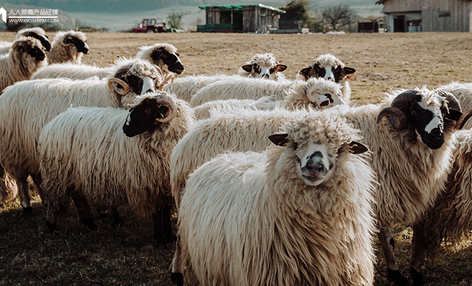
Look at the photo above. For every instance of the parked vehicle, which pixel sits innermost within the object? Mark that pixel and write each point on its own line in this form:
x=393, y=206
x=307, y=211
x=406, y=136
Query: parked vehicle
x=151, y=25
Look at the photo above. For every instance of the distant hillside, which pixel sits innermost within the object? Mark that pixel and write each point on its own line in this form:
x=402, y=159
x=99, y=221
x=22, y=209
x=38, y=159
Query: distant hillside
x=66, y=21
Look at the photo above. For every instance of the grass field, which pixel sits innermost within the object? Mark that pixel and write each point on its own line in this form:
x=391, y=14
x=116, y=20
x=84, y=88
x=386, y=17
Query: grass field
x=128, y=256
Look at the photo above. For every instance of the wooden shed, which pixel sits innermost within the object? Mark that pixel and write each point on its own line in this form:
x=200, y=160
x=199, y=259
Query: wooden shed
x=255, y=18
x=428, y=15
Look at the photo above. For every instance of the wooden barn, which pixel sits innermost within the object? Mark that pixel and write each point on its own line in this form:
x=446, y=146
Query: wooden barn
x=256, y=18
x=428, y=15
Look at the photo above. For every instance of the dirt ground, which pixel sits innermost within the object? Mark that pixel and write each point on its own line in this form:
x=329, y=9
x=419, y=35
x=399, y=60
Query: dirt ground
x=384, y=62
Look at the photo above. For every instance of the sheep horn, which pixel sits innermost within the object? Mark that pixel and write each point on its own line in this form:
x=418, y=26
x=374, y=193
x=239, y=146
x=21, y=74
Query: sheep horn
x=405, y=98
x=398, y=120
x=169, y=77
x=66, y=39
x=463, y=119
x=118, y=81
x=170, y=111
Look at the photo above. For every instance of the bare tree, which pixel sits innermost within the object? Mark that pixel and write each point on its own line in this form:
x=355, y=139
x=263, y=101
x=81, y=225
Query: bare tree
x=337, y=15
x=175, y=20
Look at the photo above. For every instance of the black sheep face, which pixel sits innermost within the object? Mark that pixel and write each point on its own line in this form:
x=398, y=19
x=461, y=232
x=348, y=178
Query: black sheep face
x=171, y=60
x=30, y=48
x=142, y=118
x=80, y=45
x=43, y=39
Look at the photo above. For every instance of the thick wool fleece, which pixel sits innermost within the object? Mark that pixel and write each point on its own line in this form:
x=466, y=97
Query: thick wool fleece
x=248, y=219
x=125, y=171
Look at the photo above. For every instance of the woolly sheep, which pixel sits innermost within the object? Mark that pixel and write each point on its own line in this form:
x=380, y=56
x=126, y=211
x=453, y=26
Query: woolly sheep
x=227, y=130
x=36, y=32
x=24, y=58
x=297, y=214
x=162, y=55
x=451, y=215
x=185, y=87
x=463, y=93
x=263, y=66
x=316, y=92
x=412, y=155
x=329, y=67
x=68, y=47
x=126, y=171
x=26, y=107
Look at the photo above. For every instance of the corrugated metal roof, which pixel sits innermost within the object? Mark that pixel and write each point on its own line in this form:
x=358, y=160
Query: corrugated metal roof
x=241, y=6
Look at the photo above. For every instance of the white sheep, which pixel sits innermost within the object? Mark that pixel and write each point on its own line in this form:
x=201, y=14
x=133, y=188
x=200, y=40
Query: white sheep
x=412, y=156
x=185, y=87
x=68, y=46
x=36, y=32
x=316, y=92
x=263, y=66
x=24, y=58
x=329, y=67
x=162, y=55
x=26, y=107
x=297, y=214
x=124, y=171
x=450, y=218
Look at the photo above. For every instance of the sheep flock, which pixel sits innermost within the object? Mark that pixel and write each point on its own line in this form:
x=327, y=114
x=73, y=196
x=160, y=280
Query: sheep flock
x=250, y=178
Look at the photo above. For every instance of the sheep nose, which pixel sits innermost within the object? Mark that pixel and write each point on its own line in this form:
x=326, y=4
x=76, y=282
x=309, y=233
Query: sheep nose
x=149, y=90
x=265, y=76
x=315, y=167
x=436, y=132
x=324, y=103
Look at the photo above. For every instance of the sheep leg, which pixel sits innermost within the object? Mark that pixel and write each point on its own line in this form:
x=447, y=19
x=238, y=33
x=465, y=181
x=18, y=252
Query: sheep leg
x=168, y=224
x=176, y=275
x=158, y=221
x=83, y=209
x=387, y=242
x=418, y=255
x=117, y=221
x=25, y=196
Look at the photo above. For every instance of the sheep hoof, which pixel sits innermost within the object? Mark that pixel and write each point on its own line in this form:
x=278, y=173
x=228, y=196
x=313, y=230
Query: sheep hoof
x=397, y=277
x=177, y=278
x=90, y=224
x=417, y=277
x=51, y=226
x=28, y=211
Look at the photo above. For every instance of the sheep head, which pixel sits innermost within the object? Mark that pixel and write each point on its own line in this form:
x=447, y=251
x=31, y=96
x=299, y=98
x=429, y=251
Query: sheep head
x=328, y=67
x=314, y=145
x=28, y=47
x=37, y=33
x=148, y=112
x=164, y=56
x=263, y=66
x=424, y=115
x=323, y=93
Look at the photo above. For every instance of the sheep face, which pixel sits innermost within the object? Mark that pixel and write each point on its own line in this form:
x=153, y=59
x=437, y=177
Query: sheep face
x=28, y=48
x=171, y=61
x=316, y=161
x=423, y=115
x=263, y=66
x=43, y=39
x=322, y=93
x=79, y=45
x=137, y=78
x=333, y=73
x=148, y=113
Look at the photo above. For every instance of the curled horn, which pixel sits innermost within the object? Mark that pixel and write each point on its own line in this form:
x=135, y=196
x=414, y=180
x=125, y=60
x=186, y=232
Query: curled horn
x=170, y=111
x=463, y=119
x=118, y=81
x=397, y=117
x=169, y=77
x=64, y=42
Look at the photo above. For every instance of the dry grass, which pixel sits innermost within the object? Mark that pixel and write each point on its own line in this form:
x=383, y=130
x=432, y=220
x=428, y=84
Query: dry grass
x=384, y=62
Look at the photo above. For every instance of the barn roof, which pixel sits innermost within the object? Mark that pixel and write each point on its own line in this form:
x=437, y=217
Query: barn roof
x=242, y=6
x=380, y=2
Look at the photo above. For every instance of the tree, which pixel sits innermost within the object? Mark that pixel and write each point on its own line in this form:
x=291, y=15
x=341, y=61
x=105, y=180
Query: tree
x=175, y=20
x=337, y=15
x=297, y=10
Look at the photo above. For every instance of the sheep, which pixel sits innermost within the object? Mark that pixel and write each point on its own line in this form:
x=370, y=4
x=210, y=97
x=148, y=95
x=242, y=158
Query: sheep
x=26, y=107
x=68, y=47
x=412, y=155
x=163, y=55
x=329, y=67
x=36, y=32
x=299, y=213
x=463, y=93
x=451, y=215
x=316, y=92
x=131, y=169
x=263, y=66
x=24, y=58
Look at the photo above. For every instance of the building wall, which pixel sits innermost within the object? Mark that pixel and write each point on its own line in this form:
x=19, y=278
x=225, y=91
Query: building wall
x=436, y=15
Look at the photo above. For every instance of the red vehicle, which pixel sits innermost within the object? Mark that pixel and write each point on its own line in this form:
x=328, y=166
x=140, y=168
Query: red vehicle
x=150, y=26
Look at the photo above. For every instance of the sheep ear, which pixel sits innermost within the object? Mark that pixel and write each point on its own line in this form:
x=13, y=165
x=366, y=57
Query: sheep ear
x=454, y=114
x=279, y=139
x=305, y=72
x=156, y=55
x=350, y=72
x=357, y=148
x=247, y=68
x=280, y=68
x=15, y=45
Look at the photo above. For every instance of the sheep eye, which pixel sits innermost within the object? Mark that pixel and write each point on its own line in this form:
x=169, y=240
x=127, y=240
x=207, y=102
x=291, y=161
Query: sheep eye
x=119, y=86
x=148, y=111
